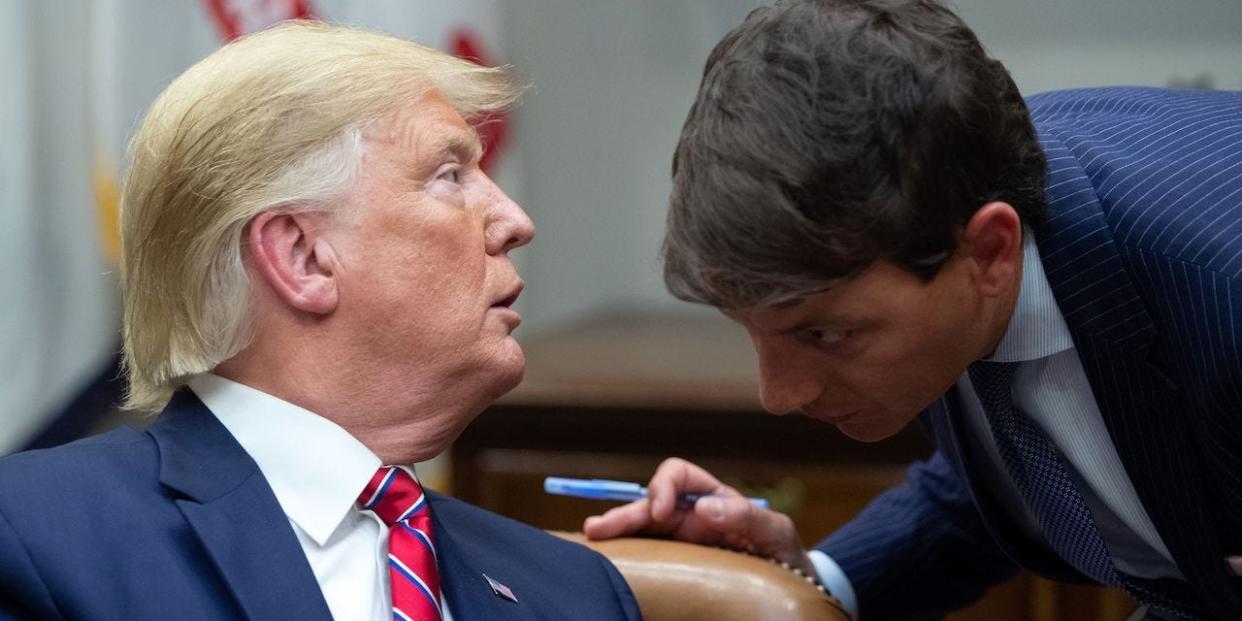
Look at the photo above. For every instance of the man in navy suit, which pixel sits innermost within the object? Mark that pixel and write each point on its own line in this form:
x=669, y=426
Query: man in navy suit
x=1052, y=287
x=318, y=293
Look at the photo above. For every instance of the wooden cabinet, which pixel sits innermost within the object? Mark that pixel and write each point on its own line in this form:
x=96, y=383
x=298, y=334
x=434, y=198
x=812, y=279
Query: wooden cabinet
x=614, y=396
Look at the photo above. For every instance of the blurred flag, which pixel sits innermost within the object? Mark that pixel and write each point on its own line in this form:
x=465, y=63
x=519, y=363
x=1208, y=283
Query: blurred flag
x=238, y=17
x=58, y=329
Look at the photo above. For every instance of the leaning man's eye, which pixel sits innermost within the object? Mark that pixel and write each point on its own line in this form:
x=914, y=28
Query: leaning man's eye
x=827, y=337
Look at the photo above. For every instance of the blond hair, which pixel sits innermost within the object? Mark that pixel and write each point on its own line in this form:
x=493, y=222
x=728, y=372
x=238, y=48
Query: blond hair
x=272, y=120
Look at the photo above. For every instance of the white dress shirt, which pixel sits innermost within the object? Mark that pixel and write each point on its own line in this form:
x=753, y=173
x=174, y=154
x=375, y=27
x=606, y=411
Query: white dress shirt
x=316, y=469
x=1051, y=388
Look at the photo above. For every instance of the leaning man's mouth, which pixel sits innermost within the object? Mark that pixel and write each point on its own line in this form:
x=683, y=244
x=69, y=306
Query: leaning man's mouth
x=827, y=417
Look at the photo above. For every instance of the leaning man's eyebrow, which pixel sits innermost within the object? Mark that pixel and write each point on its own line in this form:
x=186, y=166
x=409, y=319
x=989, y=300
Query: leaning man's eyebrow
x=790, y=303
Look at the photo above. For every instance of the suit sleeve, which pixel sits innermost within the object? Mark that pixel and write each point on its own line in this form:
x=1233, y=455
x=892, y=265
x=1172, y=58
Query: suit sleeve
x=920, y=549
x=22, y=592
x=625, y=597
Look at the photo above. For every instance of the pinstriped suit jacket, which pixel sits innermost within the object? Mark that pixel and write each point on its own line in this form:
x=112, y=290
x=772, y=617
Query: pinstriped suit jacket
x=1143, y=250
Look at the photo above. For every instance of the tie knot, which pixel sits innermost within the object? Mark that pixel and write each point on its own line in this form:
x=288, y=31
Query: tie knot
x=988, y=376
x=393, y=495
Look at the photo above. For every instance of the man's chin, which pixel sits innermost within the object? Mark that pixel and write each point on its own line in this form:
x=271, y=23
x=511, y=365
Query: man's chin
x=508, y=372
x=512, y=378
x=865, y=430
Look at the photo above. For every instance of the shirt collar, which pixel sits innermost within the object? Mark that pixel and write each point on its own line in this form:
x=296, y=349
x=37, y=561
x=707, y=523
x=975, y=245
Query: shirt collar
x=315, y=467
x=1037, y=328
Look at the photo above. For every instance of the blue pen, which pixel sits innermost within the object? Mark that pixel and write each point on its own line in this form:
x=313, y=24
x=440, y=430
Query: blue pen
x=603, y=489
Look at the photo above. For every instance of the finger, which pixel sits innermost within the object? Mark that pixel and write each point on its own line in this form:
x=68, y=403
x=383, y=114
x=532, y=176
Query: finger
x=677, y=476
x=624, y=520
x=748, y=527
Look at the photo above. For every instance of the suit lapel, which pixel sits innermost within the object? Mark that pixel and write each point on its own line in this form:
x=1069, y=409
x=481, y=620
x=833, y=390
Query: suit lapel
x=462, y=583
x=234, y=513
x=1114, y=335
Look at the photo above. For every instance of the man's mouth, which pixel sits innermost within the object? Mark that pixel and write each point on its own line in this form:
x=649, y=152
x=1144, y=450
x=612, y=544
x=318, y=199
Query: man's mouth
x=508, y=300
x=830, y=417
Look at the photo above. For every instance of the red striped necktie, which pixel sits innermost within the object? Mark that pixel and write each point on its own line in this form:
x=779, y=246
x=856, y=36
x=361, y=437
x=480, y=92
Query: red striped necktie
x=398, y=499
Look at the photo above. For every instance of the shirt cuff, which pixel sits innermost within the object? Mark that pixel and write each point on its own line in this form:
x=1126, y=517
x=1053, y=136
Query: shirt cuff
x=835, y=580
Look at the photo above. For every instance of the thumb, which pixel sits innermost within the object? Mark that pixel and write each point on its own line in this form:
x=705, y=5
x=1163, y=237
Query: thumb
x=714, y=510
x=748, y=527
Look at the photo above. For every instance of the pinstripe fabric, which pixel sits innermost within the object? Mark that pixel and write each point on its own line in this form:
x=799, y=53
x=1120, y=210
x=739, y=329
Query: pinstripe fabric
x=1143, y=252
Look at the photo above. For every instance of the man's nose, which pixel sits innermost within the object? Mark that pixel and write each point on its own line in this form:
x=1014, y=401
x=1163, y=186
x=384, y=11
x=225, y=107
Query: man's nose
x=508, y=227
x=786, y=386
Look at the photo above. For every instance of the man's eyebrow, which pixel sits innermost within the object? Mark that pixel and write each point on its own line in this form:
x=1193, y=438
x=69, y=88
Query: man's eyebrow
x=804, y=324
x=736, y=313
x=790, y=303
x=464, y=145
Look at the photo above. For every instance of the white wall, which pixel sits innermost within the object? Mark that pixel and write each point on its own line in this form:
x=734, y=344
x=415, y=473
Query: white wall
x=612, y=84
x=1053, y=44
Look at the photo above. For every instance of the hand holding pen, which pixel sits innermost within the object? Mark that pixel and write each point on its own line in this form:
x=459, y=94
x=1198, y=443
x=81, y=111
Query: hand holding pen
x=720, y=517
x=623, y=491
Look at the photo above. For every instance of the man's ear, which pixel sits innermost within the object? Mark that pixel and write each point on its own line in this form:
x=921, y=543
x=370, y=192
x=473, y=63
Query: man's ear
x=992, y=239
x=297, y=263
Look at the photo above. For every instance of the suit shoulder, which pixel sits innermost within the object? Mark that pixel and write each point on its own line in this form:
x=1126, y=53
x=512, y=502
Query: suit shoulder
x=80, y=471
x=561, y=579
x=100, y=448
x=1159, y=164
x=1123, y=102
x=478, y=522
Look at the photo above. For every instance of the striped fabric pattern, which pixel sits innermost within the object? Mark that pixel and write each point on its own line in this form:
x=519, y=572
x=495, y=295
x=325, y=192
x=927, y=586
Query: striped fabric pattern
x=1161, y=336
x=397, y=498
x=1143, y=252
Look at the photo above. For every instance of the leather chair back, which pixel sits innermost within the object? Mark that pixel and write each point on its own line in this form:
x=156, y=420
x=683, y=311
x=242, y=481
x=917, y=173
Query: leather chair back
x=677, y=581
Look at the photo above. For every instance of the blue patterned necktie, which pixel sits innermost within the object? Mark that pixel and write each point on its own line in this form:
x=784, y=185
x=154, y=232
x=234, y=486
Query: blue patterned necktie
x=1041, y=475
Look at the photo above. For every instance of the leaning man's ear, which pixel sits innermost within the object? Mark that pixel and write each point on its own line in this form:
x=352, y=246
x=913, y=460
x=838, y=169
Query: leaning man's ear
x=295, y=260
x=992, y=240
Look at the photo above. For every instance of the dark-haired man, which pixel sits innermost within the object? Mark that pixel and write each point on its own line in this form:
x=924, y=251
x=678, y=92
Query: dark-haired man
x=1059, y=302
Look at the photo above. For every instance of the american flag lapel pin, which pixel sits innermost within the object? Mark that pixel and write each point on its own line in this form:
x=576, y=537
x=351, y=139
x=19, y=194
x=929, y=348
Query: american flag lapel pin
x=500, y=590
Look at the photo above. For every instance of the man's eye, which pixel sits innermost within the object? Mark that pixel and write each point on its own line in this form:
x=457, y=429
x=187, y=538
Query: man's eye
x=827, y=337
x=452, y=174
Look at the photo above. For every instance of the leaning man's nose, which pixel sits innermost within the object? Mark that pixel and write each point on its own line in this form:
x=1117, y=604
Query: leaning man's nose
x=778, y=399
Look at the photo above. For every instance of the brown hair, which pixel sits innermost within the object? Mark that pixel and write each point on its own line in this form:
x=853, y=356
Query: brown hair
x=829, y=134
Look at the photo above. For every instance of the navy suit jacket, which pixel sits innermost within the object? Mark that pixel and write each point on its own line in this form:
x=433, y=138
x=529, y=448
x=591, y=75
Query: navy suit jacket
x=177, y=522
x=1143, y=251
